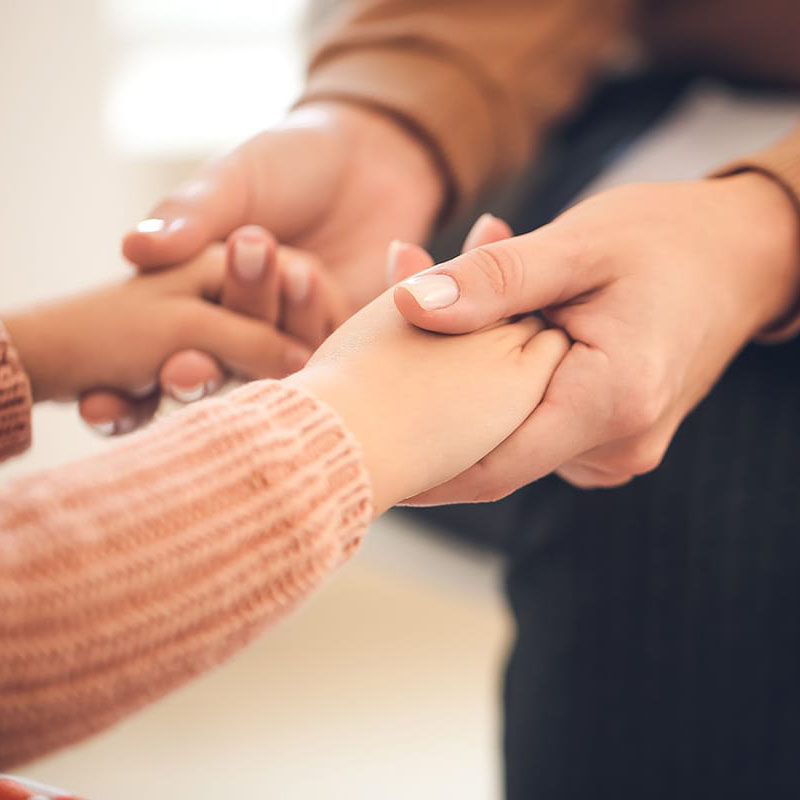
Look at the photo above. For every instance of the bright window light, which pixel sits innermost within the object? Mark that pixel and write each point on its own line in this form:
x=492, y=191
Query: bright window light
x=188, y=78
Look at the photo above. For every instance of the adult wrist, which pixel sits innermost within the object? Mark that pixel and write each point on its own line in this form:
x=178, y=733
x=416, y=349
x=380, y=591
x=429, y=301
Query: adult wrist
x=770, y=220
x=389, y=150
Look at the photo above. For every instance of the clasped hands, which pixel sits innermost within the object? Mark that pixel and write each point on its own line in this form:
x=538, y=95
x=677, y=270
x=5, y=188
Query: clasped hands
x=658, y=286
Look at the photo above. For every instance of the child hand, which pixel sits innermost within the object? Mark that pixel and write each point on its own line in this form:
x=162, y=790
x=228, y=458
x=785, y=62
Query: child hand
x=281, y=286
x=425, y=407
x=119, y=336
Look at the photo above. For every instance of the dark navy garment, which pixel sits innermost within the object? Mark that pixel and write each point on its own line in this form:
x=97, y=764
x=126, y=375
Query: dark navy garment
x=657, y=652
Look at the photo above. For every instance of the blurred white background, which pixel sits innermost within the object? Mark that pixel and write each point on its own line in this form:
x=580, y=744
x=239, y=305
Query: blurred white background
x=386, y=684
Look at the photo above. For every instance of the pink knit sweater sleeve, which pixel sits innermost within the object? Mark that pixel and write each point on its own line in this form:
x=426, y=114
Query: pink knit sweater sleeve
x=124, y=575
x=15, y=401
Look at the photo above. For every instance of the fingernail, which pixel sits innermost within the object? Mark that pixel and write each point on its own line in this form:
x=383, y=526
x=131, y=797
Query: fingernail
x=298, y=280
x=114, y=427
x=156, y=225
x=144, y=390
x=295, y=358
x=392, y=254
x=477, y=229
x=124, y=425
x=191, y=394
x=432, y=291
x=248, y=258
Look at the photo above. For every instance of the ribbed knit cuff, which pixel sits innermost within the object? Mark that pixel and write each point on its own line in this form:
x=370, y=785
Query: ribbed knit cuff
x=15, y=400
x=781, y=163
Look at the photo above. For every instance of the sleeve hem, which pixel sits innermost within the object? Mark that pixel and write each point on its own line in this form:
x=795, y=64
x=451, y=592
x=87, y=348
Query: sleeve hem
x=418, y=89
x=781, y=164
x=15, y=401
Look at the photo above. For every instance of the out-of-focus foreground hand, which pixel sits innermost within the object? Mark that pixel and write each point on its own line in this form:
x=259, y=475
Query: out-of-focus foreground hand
x=120, y=335
x=334, y=180
x=658, y=286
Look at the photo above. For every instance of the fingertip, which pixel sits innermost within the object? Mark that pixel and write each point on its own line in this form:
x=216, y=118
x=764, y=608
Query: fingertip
x=250, y=253
x=295, y=357
x=298, y=280
x=159, y=241
x=429, y=301
x=486, y=230
x=109, y=413
x=190, y=375
x=407, y=304
x=404, y=259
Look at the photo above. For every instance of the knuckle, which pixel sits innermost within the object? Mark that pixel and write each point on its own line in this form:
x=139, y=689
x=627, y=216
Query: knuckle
x=643, y=457
x=641, y=399
x=485, y=486
x=500, y=267
x=491, y=494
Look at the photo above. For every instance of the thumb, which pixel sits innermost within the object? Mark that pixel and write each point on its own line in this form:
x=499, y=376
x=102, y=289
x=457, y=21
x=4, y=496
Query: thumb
x=204, y=210
x=515, y=276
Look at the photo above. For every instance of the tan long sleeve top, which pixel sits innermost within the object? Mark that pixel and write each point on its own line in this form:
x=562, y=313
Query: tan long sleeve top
x=480, y=82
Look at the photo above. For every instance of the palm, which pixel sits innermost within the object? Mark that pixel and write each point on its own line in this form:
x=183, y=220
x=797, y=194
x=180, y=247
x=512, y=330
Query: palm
x=336, y=193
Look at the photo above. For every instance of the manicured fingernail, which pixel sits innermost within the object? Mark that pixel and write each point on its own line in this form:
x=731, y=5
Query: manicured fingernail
x=295, y=358
x=298, y=280
x=191, y=394
x=124, y=425
x=432, y=290
x=392, y=254
x=114, y=427
x=249, y=256
x=476, y=231
x=144, y=390
x=156, y=225
x=151, y=225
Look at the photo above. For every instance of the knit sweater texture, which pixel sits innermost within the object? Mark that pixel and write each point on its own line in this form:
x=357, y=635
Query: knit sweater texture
x=124, y=575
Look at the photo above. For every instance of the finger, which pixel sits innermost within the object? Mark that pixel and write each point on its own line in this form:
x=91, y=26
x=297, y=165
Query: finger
x=247, y=347
x=114, y=414
x=251, y=284
x=571, y=420
x=311, y=306
x=190, y=375
x=495, y=281
x=487, y=229
x=585, y=477
x=405, y=259
x=206, y=209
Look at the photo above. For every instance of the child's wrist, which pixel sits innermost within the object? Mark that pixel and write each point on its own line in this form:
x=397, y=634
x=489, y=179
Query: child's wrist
x=345, y=398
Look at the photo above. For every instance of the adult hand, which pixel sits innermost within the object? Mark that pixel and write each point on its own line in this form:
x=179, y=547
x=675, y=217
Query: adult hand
x=658, y=286
x=411, y=397
x=335, y=180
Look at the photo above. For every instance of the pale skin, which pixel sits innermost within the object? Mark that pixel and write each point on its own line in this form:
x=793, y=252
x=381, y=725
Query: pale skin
x=404, y=393
x=336, y=181
x=658, y=285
